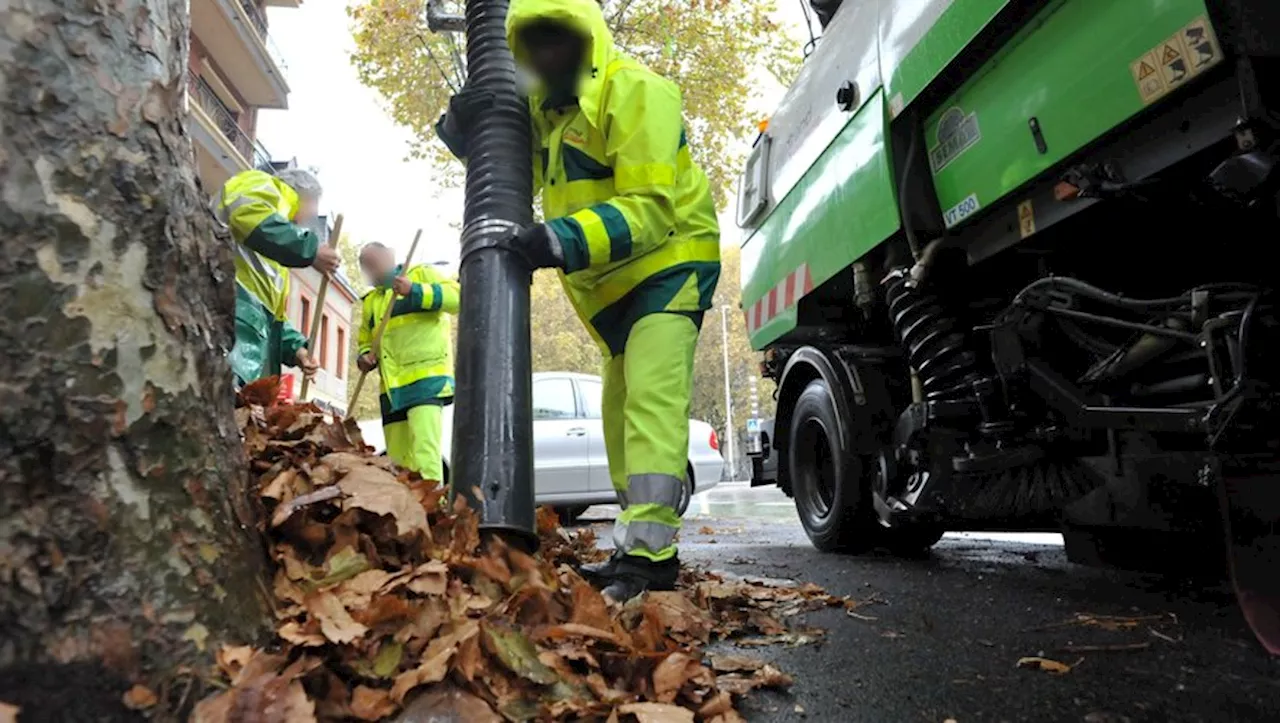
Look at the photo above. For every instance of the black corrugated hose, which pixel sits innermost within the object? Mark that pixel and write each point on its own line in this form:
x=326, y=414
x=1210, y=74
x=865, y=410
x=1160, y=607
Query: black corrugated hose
x=493, y=428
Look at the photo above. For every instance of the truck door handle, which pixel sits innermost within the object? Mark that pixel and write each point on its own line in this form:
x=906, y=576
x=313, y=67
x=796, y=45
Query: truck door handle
x=576, y=432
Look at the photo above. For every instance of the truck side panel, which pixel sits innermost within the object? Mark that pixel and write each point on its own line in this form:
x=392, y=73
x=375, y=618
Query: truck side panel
x=843, y=207
x=918, y=38
x=1079, y=69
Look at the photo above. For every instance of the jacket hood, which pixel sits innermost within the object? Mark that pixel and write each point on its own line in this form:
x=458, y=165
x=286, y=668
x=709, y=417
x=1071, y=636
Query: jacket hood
x=586, y=18
x=289, y=195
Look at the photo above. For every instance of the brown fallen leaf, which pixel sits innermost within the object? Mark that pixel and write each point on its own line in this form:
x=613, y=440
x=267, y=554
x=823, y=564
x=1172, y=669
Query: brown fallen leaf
x=1053, y=667
x=335, y=622
x=766, y=677
x=448, y=703
x=232, y=658
x=287, y=509
x=371, y=703
x=657, y=713
x=734, y=663
x=435, y=661
x=281, y=486
x=9, y=713
x=356, y=592
x=372, y=487
x=294, y=632
x=140, y=697
x=671, y=674
x=430, y=578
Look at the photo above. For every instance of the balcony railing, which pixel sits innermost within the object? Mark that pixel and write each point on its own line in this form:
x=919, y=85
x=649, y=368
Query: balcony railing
x=225, y=119
x=259, y=21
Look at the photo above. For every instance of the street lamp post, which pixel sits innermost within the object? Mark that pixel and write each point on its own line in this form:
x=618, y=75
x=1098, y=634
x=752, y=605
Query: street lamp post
x=728, y=400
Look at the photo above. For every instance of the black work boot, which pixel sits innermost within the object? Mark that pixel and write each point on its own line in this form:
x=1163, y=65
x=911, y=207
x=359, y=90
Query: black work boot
x=599, y=573
x=633, y=575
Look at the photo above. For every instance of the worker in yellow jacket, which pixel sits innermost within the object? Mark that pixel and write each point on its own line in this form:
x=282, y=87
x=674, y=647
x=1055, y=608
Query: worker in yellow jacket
x=413, y=357
x=267, y=216
x=632, y=227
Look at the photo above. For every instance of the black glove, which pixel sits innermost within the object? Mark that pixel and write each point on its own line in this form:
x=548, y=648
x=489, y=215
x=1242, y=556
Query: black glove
x=539, y=246
x=465, y=107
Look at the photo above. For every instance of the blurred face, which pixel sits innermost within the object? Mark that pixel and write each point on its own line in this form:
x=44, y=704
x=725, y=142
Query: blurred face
x=555, y=52
x=376, y=263
x=308, y=210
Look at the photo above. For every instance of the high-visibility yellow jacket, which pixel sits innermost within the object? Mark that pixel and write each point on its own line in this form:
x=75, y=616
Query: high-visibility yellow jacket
x=414, y=357
x=634, y=212
x=259, y=209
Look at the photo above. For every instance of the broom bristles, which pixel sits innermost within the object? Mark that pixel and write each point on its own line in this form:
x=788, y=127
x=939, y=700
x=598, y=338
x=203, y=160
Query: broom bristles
x=1033, y=490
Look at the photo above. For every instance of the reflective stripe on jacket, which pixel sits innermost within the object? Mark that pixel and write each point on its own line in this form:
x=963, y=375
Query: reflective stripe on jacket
x=258, y=208
x=414, y=358
x=619, y=187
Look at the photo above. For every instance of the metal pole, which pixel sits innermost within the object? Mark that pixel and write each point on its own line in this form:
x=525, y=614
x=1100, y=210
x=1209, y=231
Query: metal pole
x=728, y=400
x=493, y=427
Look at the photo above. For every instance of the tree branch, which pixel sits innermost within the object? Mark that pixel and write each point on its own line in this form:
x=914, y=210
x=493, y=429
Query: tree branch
x=445, y=76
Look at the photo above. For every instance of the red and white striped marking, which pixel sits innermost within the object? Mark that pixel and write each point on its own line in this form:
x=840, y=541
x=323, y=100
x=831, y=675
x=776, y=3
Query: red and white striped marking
x=785, y=295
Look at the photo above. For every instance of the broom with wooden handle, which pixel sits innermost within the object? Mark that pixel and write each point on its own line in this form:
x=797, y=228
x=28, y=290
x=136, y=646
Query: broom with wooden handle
x=382, y=325
x=318, y=314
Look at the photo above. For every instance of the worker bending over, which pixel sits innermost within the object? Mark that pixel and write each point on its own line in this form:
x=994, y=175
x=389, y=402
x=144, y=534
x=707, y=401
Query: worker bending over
x=413, y=358
x=632, y=226
x=266, y=215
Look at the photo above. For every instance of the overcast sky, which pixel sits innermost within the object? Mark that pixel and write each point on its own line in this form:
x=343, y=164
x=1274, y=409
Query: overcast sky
x=338, y=125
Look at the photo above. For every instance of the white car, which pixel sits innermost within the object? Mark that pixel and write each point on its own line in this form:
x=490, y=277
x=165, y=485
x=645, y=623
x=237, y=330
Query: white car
x=571, y=470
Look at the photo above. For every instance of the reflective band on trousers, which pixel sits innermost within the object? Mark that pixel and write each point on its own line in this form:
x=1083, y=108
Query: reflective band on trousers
x=658, y=489
x=653, y=536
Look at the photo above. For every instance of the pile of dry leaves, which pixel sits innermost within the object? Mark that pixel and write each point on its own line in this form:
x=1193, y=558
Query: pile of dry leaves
x=386, y=598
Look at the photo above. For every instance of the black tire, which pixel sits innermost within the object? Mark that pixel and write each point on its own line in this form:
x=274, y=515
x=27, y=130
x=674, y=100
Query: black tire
x=569, y=515
x=686, y=494
x=830, y=483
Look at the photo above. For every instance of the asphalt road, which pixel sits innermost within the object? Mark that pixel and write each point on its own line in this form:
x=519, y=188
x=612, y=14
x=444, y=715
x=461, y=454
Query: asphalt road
x=940, y=637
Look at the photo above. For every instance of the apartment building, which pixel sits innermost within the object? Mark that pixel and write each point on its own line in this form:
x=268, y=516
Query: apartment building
x=235, y=70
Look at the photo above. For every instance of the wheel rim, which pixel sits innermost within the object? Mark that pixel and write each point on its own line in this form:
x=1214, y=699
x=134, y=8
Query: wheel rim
x=817, y=467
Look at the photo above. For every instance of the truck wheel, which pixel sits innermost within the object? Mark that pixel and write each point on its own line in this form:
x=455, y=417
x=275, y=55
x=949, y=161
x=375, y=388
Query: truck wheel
x=828, y=481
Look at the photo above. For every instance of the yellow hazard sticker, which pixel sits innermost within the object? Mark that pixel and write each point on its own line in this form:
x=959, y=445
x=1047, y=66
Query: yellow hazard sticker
x=1026, y=218
x=1179, y=58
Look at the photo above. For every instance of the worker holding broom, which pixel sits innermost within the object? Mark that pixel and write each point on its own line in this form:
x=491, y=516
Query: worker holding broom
x=631, y=225
x=267, y=215
x=413, y=357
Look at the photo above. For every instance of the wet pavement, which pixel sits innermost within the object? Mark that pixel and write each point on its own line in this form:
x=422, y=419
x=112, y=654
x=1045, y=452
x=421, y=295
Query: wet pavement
x=939, y=638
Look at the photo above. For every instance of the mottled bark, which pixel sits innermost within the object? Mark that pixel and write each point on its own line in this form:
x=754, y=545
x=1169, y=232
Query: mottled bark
x=126, y=548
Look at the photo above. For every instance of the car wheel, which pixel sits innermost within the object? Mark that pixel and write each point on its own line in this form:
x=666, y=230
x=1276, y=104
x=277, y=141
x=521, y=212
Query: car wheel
x=570, y=515
x=686, y=493
x=829, y=481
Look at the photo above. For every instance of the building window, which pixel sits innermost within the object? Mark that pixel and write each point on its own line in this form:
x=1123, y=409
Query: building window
x=305, y=328
x=324, y=341
x=342, y=351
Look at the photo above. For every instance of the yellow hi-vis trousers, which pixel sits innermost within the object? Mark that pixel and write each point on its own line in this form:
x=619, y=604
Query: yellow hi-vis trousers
x=645, y=409
x=413, y=440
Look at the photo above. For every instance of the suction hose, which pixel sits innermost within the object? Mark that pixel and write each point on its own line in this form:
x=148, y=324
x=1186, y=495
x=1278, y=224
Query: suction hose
x=493, y=427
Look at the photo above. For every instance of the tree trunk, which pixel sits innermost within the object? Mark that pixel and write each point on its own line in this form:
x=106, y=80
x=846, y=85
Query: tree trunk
x=127, y=545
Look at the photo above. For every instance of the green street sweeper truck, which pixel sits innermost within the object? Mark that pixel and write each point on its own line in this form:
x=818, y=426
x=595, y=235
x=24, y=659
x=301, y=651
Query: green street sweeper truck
x=1010, y=264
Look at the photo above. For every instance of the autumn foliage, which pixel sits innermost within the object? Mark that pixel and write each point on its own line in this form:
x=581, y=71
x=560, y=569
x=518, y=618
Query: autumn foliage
x=386, y=597
x=718, y=52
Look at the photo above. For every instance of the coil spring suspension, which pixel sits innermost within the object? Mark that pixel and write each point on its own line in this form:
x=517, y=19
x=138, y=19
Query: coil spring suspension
x=936, y=346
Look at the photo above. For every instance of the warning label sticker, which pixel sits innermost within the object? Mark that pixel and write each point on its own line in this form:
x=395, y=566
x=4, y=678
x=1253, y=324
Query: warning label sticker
x=1026, y=218
x=1178, y=59
x=1149, y=80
